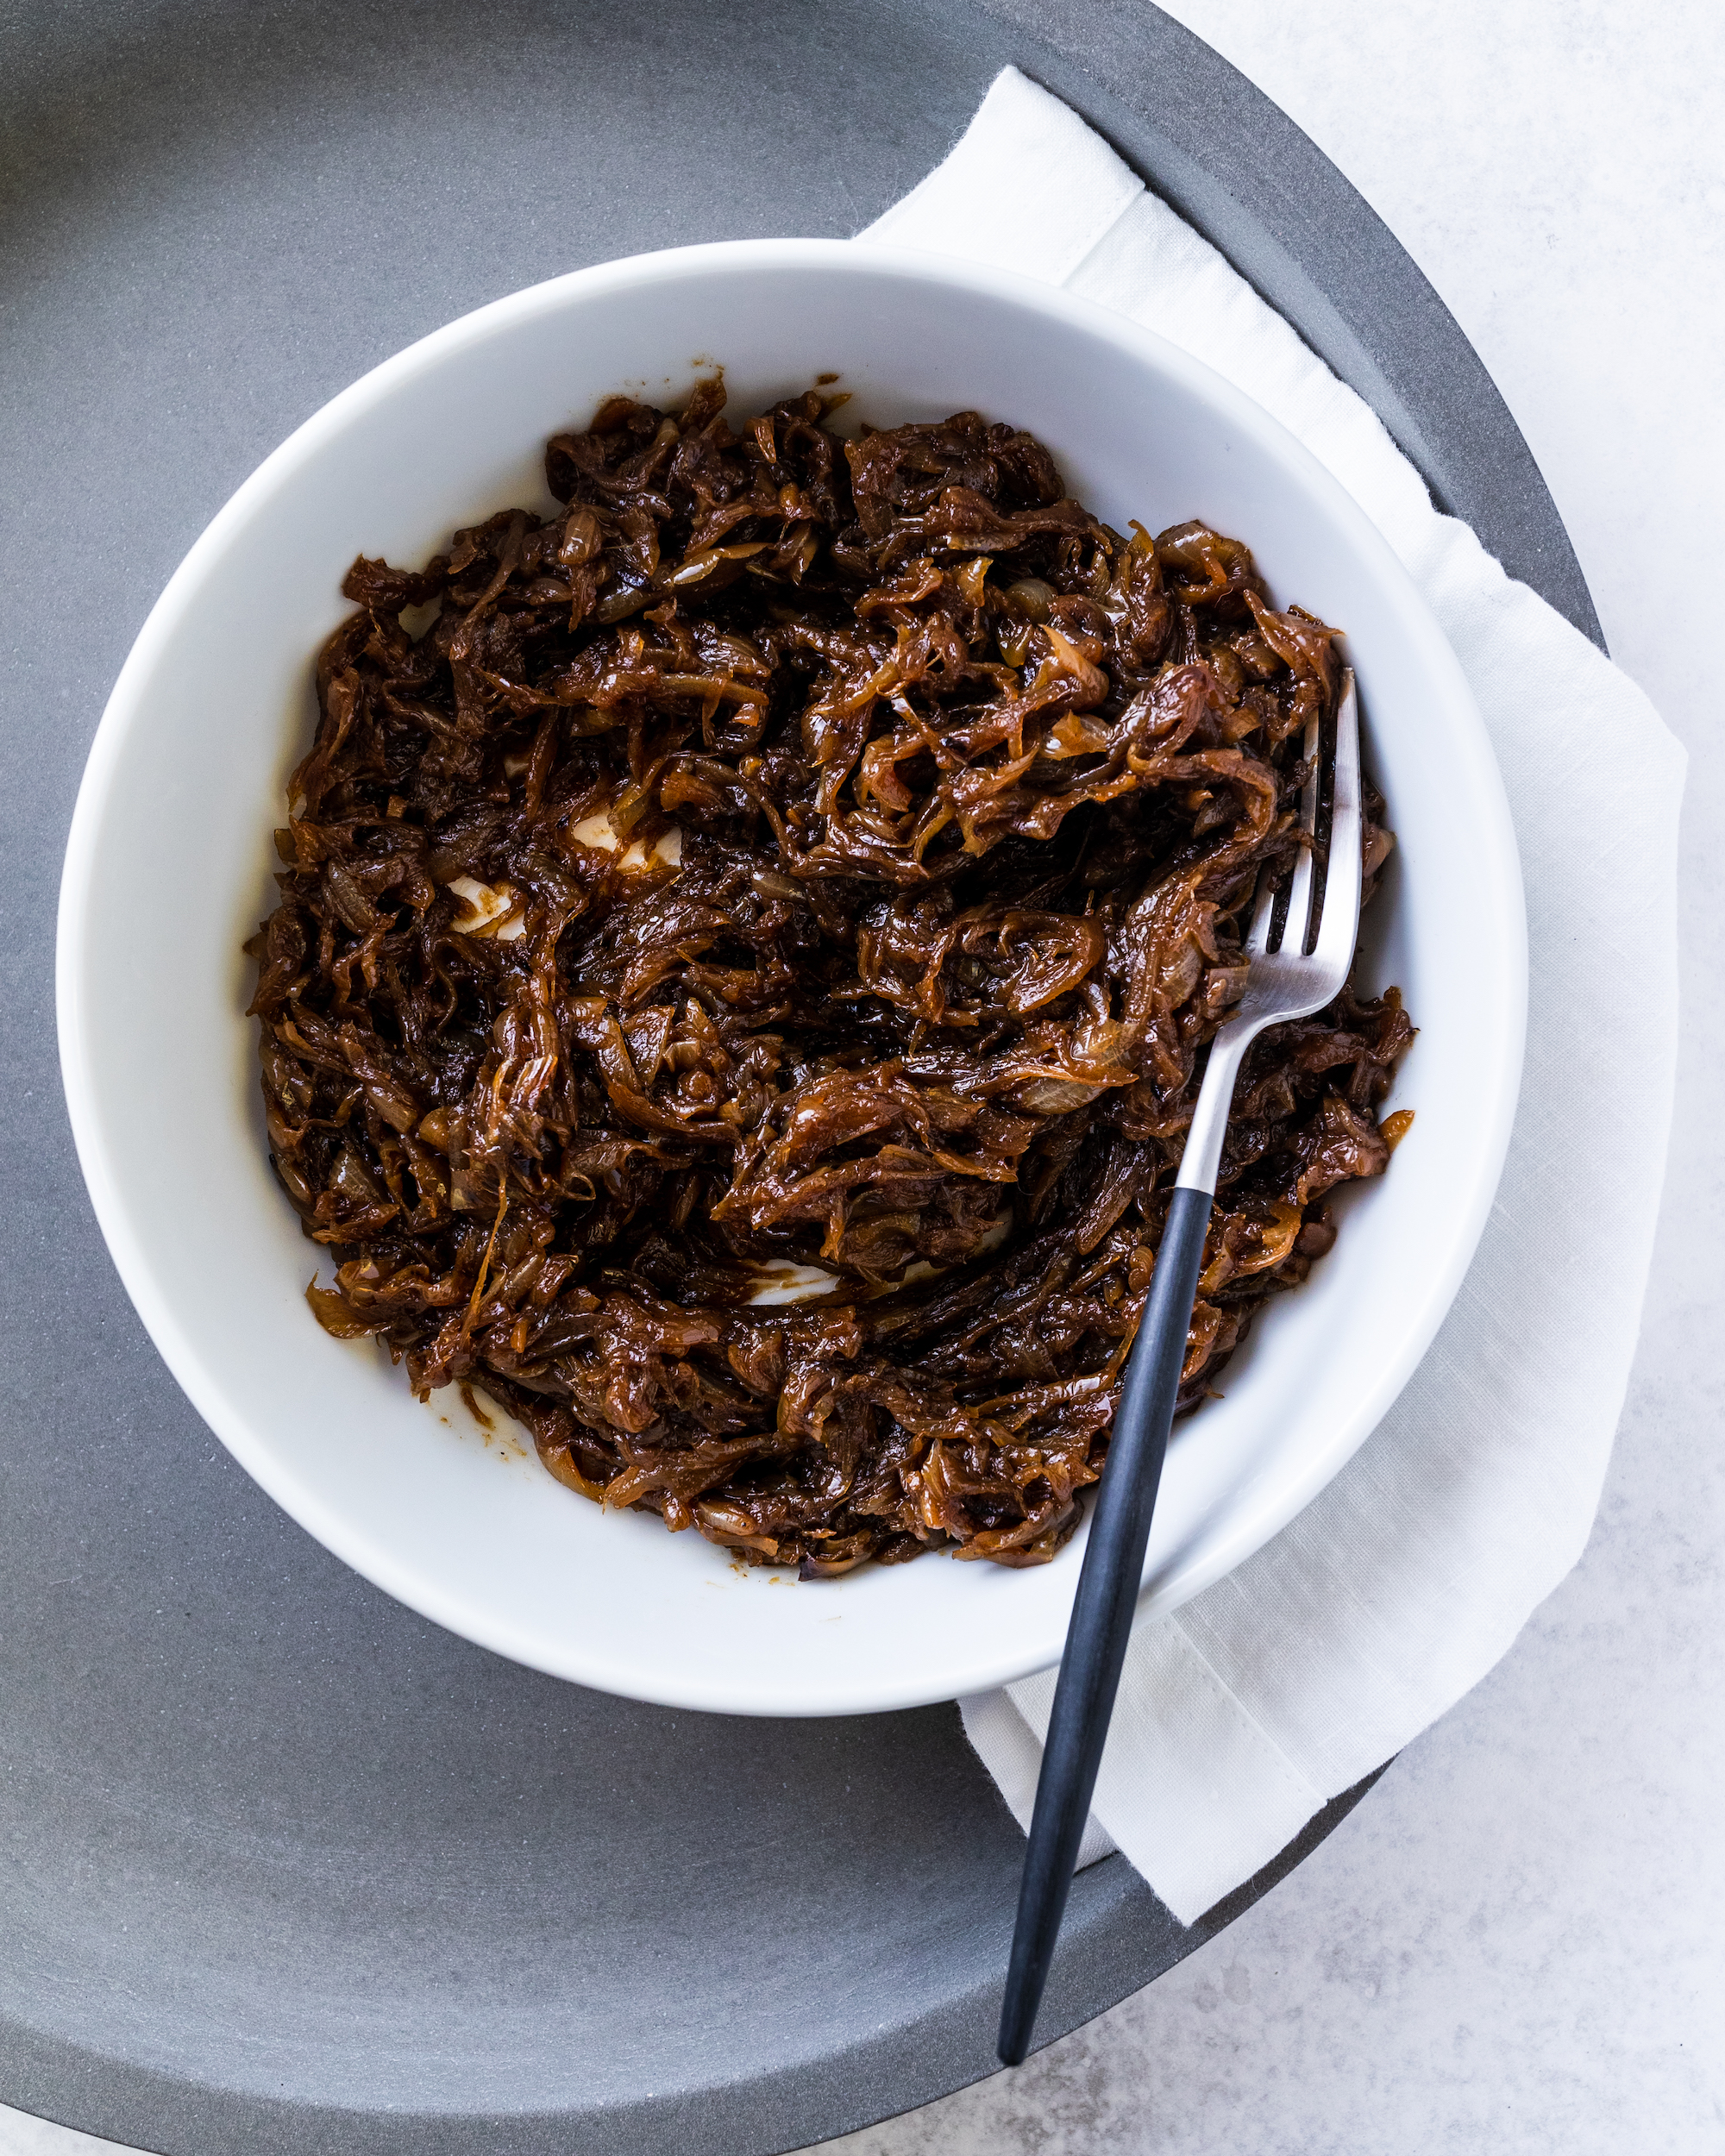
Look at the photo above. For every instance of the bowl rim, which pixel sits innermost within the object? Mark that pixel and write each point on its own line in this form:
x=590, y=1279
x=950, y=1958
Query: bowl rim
x=588, y=1660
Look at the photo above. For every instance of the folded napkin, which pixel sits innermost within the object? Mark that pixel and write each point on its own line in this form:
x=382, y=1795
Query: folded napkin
x=1398, y=1588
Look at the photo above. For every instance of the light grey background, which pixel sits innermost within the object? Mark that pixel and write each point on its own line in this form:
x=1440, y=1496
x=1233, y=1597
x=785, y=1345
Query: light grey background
x=1516, y=1942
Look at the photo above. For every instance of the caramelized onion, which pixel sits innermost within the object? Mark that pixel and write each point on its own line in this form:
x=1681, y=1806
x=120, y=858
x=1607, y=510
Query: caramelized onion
x=800, y=869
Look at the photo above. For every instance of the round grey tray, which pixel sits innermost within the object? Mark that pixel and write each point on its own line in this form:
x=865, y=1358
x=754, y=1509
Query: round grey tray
x=286, y=1868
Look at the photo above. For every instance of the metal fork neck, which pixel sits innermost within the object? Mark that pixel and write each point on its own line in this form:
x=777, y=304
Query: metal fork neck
x=1203, y=1156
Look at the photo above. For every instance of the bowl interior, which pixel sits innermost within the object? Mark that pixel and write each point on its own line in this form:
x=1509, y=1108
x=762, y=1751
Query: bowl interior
x=169, y=866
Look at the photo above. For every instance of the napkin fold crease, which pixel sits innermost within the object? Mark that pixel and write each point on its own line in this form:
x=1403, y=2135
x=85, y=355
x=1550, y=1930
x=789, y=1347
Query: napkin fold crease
x=1242, y=1713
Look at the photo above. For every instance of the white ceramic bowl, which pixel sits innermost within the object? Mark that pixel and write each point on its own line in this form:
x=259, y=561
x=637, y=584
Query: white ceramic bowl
x=168, y=869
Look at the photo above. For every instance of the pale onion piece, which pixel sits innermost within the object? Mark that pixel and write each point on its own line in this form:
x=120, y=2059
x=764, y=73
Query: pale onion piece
x=595, y=830
x=488, y=904
x=792, y=1283
x=786, y=1283
x=1057, y=1096
x=921, y=1269
x=698, y=566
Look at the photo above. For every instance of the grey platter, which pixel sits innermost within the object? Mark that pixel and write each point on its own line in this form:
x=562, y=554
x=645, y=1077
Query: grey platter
x=283, y=1868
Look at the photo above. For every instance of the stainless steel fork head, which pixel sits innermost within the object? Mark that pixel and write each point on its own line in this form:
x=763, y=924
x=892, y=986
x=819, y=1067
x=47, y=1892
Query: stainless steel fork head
x=1290, y=982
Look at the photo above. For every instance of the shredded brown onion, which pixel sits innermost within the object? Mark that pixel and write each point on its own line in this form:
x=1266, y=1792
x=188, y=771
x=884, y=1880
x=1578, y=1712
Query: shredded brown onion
x=800, y=861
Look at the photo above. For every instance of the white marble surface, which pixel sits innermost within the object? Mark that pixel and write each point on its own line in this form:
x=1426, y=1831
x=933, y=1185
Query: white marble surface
x=1518, y=1942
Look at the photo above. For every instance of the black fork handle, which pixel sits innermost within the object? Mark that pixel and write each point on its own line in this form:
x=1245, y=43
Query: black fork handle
x=1102, y=1612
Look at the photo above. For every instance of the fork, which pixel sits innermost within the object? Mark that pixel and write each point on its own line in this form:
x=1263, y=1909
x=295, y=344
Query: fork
x=1283, y=982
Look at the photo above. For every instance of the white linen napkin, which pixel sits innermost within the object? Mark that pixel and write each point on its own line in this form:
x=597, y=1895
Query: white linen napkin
x=1397, y=1588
